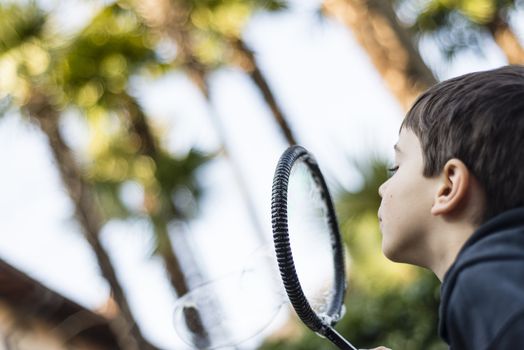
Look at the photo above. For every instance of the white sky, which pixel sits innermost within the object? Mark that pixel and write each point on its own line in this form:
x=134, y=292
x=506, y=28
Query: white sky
x=336, y=104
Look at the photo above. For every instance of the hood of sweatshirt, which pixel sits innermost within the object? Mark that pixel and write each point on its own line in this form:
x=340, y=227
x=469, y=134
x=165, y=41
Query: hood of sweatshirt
x=498, y=239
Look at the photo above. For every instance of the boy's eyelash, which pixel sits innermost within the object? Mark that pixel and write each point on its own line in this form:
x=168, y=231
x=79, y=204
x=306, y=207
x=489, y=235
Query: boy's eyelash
x=393, y=169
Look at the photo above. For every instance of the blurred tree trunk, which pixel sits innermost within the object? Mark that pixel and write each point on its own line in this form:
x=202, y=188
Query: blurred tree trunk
x=390, y=46
x=170, y=18
x=162, y=216
x=43, y=113
x=507, y=40
x=167, y=211
x=247, y=61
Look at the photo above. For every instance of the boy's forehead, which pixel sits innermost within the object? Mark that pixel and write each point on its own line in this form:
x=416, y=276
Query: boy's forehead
x=398, y=146
x=406, y=140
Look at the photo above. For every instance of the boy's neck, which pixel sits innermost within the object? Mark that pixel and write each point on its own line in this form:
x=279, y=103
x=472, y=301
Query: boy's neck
x=451, y=239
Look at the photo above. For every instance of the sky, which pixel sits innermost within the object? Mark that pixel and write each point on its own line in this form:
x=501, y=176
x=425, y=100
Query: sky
x=336, y=104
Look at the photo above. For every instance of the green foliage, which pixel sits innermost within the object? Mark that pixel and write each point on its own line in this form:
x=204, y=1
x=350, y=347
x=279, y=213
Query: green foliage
x=387, y=304
x=173, y=173
x=116, y=160
x=108, y=194
x=213, y=24
x=400, y=318
x=267, y=5
x=90, y=72
x=93, y=71
x=403, y=317
x=99, y=62
x=460, y=24
x=22, y=55
x=366, y=200
x=19, y=24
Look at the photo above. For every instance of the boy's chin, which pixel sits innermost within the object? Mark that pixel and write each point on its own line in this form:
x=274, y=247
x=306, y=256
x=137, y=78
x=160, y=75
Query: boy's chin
x=403, y=255
x=392, y=253
x=388, y=252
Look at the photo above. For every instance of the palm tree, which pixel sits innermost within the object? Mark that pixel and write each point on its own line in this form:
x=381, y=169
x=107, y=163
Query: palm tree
x=462, y=24
x=390, y=45
x=46, y=116
x=22, y=43
x=125, y=49
x=70, y=76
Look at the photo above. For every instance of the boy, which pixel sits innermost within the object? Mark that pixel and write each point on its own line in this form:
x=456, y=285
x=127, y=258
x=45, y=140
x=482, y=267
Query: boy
x=455, y=204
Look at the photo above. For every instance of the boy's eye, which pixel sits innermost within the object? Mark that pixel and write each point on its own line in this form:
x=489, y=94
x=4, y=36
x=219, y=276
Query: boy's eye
x=393, y=170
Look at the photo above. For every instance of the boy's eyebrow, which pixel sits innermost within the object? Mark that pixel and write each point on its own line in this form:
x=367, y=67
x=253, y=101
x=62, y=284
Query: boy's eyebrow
x=397, y=148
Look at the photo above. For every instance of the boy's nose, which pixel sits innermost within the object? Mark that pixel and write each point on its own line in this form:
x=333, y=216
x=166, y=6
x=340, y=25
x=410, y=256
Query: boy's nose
x=381, y=189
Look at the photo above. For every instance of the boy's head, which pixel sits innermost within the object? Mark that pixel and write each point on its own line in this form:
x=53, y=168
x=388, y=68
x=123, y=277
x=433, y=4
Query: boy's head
x=479, y=119
x=469, y=131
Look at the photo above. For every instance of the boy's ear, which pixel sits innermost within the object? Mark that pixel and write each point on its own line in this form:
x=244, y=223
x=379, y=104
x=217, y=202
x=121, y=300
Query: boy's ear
x=452, y=187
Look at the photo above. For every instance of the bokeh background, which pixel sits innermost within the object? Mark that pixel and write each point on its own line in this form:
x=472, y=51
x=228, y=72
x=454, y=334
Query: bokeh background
x=138, y=141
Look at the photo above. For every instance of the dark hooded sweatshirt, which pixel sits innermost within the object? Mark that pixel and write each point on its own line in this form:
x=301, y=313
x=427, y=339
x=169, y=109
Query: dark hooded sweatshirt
x=482, y=296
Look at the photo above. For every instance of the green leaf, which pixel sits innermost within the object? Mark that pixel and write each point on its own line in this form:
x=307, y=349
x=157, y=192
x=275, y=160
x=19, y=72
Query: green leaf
x=172, y=172
x=19, y=23
x=111, y=48
x=108, y=195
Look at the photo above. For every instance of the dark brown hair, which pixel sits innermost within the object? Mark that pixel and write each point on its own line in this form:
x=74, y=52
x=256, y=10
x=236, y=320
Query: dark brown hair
x=479, y=119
